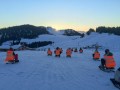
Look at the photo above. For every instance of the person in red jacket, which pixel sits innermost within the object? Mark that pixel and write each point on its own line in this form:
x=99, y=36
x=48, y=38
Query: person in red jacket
x=81, y=51
x=49, y=52
x=16, y=58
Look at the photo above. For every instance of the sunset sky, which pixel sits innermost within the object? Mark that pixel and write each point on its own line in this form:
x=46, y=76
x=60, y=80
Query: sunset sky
x=60, y=14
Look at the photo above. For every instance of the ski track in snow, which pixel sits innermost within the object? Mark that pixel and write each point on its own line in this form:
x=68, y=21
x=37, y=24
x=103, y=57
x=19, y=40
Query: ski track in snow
x=37, y=71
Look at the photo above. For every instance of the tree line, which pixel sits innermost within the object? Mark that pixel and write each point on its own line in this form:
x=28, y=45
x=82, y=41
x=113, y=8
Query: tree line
x=19, y=32
x=37, y=44
x=103, y=29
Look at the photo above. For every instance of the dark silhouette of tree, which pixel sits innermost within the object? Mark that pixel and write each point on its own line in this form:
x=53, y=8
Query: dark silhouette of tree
x=38, y=44
x=110, y=30
x=82, y=35
x=90, y=31
x=71, y=32
x=24, y=31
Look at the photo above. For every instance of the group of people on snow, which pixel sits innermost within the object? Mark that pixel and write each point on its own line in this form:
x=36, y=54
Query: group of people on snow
x=58, y=51
x=108, y=63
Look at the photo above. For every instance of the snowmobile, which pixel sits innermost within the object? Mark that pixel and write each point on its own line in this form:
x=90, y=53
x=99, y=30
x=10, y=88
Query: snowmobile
x=106, y=69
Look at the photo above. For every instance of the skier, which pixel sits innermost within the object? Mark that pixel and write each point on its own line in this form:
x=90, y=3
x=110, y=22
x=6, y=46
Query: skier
x=81, y=51
x=116, y=79
x=68, y=52
x=49, y=52
x=10, y=56
x=57, y=52
x=108, y=61
x=96, y=55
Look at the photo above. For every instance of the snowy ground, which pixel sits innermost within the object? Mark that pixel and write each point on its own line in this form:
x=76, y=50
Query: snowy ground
x=37, y=71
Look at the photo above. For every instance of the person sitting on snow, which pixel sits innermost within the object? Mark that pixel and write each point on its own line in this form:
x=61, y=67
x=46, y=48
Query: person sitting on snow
x=16, y=58
x=49, y=52
x=96, y=55
x=108, y=61
x=57, y=52
x=81, y=51
x=68, y=52
x=75, y=50
x=10, y=56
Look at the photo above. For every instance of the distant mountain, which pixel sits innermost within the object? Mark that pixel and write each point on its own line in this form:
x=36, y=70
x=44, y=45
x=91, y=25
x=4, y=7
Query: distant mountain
x=16, y=33
x=70, y=32
x=22, y=31
x=52, y=30
x=66, y=32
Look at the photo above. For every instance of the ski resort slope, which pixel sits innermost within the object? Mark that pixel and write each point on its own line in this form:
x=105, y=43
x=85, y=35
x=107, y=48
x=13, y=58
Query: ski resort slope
x=37, y=71
x=105, y=40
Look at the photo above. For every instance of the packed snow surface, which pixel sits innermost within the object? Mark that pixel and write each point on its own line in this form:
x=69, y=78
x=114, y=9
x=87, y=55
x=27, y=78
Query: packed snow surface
x=37, y=71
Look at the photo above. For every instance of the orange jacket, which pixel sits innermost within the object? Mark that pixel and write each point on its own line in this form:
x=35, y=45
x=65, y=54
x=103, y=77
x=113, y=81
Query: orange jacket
x=110, y=62
x=68, y=52
x=57, y=52
x=96, y=55
x=10, y=56
x=49, y=52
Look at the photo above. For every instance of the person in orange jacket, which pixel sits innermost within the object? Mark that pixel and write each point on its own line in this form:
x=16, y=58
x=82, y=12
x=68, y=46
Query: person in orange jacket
x=49, y=52
x=10, y=56
x=96, y=55
x=57, y=52
x=81, y=51
x=68, y=52
x=108, y=61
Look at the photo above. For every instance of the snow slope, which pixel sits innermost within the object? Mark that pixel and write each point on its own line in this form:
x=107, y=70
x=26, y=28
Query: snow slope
x=105, y=40
x=37, y=71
